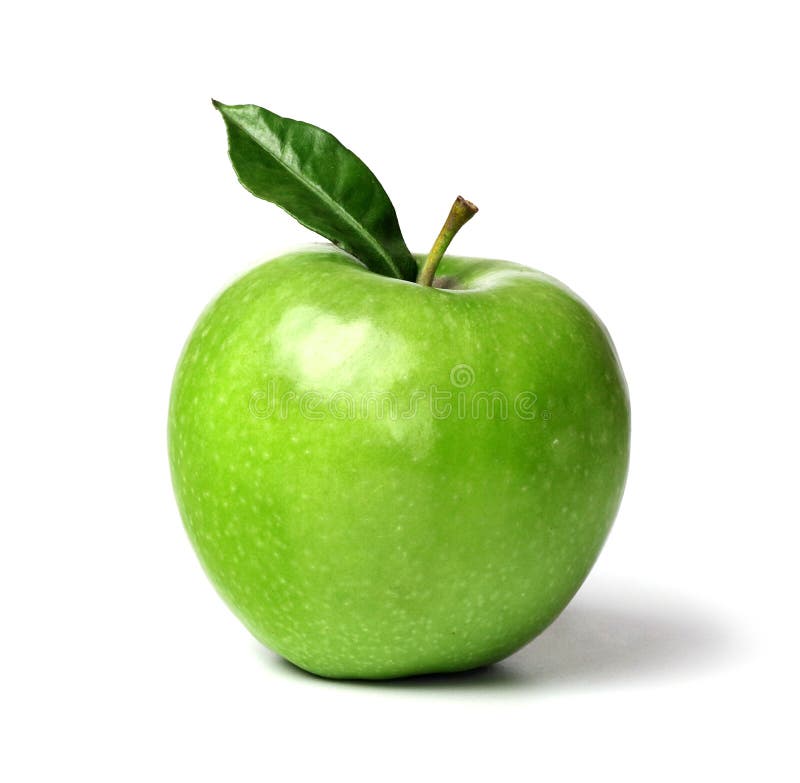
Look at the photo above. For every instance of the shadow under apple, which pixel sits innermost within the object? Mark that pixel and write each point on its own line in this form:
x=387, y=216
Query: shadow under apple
x=604, y=636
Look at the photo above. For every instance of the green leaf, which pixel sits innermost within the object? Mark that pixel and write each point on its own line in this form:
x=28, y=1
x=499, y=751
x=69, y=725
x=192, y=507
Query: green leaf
x=319, y=182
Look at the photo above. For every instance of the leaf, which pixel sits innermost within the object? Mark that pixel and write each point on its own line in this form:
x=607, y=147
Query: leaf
x=318, y=181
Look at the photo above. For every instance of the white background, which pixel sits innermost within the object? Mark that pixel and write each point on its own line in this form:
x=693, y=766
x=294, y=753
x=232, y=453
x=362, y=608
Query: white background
x=648, y=154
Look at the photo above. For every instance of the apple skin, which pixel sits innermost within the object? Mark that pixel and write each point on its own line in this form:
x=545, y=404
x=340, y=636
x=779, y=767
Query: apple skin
x=360, y=543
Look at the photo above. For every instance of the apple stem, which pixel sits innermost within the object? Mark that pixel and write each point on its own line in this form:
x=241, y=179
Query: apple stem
x=461, y=211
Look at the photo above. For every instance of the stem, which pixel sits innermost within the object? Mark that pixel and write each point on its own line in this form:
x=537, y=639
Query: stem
x=461, y=211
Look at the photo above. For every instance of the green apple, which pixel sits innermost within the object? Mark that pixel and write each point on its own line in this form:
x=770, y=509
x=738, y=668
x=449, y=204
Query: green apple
x=384, y=477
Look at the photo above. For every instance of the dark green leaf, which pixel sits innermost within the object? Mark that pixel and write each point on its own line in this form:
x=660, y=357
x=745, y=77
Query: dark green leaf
x=317, y=180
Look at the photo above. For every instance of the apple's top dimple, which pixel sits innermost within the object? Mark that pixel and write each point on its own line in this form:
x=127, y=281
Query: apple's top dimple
x=447, y=283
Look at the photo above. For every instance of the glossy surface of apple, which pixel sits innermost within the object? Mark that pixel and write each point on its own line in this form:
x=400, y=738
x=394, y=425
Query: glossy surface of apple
x=383, y=479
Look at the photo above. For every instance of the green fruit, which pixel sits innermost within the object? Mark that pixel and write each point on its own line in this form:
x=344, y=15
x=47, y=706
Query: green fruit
x=383, y=478
x=390, y=465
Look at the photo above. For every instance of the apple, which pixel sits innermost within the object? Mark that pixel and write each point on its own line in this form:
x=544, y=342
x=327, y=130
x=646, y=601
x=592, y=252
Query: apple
x=385, y=477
